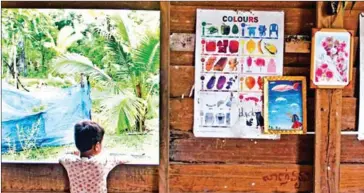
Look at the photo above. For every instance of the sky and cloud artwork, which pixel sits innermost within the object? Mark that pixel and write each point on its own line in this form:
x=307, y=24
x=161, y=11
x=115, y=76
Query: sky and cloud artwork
x=284, y=105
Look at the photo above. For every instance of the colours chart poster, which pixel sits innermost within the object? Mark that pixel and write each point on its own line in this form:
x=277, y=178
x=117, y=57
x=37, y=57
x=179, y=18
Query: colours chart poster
x=361, y=75
x=234, y=51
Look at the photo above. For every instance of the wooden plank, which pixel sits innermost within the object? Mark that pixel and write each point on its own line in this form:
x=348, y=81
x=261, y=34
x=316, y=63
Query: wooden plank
x=187, y=58
x=352, y=150
x=293, y=43
x=53, y=177
x=327, y=139
x=297, y=20
x=165, y=80
x=183, y=78
x=138, y=5
x=359, y=5
x=185, y=148
x=351, y=178
x=257, y=178
x=241, y=178
x=351, y=20
x=328, y=111
x=257, y=4
x=297, y=44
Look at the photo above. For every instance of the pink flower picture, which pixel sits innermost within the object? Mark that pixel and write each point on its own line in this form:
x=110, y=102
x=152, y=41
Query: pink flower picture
x=331, y=58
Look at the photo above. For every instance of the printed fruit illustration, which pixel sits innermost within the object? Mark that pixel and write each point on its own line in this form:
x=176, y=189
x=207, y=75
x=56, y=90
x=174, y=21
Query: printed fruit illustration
x=249, y=62
x=260, y=62
x=250, y=82
x=234, y=46
x=220, y=64
x=250, y=46
x=211, y=82
x=211, y=46
x=221, y=82
x=212, y=30
x=260, y=47
x=270, y=48
x=235, y=29
x=210, y=63
x=225, y=29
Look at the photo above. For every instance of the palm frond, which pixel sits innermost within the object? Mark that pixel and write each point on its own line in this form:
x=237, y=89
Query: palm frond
x=121, y=29
x=71, y=63
x=118, y=52
x=147, y=55
x=122, y=111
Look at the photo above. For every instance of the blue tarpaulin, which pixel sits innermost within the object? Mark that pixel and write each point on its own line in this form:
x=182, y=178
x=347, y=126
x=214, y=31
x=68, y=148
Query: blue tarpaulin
x=43, y=118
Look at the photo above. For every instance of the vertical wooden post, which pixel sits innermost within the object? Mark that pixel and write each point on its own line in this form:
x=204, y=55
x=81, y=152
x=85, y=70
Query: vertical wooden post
x=328, y=106
x=164, y=99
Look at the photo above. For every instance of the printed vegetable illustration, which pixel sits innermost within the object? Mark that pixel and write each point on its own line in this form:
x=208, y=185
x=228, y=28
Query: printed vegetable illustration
x=225, y=29
x=250, y=82
x=212, y=30
x=260, y=82
x=220, y=64
x=233, y=63
x=270, y=48
x=242, y=42
x=233, y=46
x=235, y=29
x=250, y=46
x=221, y=82
x=211, y=82
x=211, y=46
x=222, y=46
x=210, y=63
x=260, y=47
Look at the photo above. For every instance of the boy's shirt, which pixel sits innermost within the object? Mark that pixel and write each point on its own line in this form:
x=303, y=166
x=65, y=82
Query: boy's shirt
x=88, y=175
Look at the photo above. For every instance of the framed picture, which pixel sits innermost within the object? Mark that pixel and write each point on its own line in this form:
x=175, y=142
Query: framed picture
x=331, y=58
x=361, y=76
x=62, y=66
x=285, y=105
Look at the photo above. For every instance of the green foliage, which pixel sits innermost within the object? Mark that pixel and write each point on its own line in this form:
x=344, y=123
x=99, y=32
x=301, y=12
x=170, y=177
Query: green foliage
x=121, y=59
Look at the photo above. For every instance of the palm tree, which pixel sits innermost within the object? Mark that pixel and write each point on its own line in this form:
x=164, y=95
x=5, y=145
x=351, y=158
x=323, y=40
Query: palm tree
x=132, y=87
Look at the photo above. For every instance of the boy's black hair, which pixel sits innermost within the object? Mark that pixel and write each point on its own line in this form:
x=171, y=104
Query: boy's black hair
x=87, y=134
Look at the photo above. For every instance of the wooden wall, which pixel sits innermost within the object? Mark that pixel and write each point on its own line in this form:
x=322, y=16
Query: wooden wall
x=199, y=165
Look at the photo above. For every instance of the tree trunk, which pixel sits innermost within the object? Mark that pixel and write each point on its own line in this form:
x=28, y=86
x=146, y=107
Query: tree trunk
x=22, y=67
x=42, y=64
x=141, y=122
x=14, y=63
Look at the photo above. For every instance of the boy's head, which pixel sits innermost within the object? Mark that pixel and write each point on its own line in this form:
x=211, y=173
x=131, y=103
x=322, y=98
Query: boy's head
x=88, y=137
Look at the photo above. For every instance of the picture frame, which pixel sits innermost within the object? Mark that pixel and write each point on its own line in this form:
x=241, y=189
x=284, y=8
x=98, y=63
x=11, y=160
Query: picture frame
x=280, y=96
x=331, y=58
x=361, y=77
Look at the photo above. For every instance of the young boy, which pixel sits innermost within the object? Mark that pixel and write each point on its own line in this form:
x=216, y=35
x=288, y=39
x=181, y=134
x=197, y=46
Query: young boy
x=88, y=171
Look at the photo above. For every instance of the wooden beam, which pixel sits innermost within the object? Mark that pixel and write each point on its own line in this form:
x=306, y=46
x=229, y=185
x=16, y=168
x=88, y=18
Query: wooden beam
x=141, y=5
x=164, y=99
x=53, y=178
x=328, y=109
